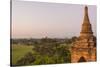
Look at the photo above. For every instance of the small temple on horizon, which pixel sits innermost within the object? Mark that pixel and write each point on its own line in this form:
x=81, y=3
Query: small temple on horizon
x=84, y=48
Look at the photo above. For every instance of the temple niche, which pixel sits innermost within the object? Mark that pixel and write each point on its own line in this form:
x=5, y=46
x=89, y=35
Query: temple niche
x=84, y=48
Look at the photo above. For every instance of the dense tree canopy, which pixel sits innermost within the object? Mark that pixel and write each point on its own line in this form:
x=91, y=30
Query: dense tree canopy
x=46, y=51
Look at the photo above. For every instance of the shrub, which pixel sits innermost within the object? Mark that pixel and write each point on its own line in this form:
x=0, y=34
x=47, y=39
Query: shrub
x=27, y=59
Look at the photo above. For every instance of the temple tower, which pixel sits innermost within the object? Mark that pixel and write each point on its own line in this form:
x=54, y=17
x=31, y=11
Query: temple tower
x=84, y=48
x=86, y=30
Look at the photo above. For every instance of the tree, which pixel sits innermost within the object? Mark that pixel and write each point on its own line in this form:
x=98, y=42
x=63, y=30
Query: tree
x=74, y=38
x=50, y=52
x=27, y=59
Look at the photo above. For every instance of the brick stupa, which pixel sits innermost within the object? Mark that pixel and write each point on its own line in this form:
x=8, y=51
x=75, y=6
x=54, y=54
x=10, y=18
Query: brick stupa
x=84, y=48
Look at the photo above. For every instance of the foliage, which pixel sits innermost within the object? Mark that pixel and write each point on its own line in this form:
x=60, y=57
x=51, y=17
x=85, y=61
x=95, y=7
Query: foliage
x=27, y=59
x=52, y=53
x=19, y=51
x=44, y=51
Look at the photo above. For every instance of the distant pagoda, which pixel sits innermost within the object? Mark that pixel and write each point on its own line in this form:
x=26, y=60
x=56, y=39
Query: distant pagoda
x=84, y=48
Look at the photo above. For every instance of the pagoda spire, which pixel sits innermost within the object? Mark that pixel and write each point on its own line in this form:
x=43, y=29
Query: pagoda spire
x=86, y=18
x=86, y=26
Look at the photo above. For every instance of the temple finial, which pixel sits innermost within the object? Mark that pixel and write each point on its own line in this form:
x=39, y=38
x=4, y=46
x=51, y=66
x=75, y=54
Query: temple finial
x=86, y=7
x=86, y=10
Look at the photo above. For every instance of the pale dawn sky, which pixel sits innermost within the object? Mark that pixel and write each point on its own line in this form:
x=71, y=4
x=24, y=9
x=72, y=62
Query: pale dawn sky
x=54, y=20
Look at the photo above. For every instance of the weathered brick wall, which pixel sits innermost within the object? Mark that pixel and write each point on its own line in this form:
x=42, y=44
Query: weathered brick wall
x=88, y=54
